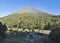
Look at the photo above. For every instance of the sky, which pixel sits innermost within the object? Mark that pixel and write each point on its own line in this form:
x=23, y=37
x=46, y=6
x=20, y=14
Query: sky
x=9, y=6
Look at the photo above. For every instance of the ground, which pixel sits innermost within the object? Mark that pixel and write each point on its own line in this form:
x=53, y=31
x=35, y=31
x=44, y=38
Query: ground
x=25, y=37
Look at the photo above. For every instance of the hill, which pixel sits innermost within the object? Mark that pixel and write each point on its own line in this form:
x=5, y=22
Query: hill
x=29, y=18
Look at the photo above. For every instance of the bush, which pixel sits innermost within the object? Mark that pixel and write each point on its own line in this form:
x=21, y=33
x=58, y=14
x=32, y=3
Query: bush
x=47, y=27
x=3, y=29
x=54, y=36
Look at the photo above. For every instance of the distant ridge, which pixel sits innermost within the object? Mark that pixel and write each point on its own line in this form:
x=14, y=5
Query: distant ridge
x=28, y=10
x=31, y=10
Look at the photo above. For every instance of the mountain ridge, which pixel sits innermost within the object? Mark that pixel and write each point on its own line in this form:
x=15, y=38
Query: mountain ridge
x=30, y=10
x=31, y=15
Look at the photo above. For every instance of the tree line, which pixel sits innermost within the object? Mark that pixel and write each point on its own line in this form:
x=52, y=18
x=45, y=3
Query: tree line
x=32, y=22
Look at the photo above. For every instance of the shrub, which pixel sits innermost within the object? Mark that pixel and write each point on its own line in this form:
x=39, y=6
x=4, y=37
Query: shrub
x=3, y=29
x=54, y=36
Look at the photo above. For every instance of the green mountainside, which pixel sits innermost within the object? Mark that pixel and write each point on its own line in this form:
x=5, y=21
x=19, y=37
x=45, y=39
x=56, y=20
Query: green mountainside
x=30, y=18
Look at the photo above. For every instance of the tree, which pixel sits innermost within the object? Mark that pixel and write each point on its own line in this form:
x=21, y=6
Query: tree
x=3, y=30
x=54, y=36
x=20, y=24
x=47, y=27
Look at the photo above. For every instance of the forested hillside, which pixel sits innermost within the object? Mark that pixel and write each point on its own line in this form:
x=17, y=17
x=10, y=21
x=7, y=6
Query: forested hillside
x=25, y=19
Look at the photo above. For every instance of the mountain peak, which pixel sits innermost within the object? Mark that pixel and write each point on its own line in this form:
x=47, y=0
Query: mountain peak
x=28, y=10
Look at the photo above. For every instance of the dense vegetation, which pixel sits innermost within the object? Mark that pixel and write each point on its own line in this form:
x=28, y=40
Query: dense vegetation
x=32, y=21
x=54, y=36
x=3, y=30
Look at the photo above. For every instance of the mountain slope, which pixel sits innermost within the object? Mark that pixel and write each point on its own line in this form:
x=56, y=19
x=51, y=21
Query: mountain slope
x=27, y=16
x=31, y=10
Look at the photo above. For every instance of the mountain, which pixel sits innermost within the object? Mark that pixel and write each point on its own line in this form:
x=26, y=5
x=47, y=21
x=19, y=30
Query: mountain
x=26, y=16
x=28, y=10
x=31, y=10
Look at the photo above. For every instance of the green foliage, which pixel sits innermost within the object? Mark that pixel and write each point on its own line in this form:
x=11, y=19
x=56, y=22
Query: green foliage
x=47, y=27
x=54, y=36
x=3, y=30
x=32, y=21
